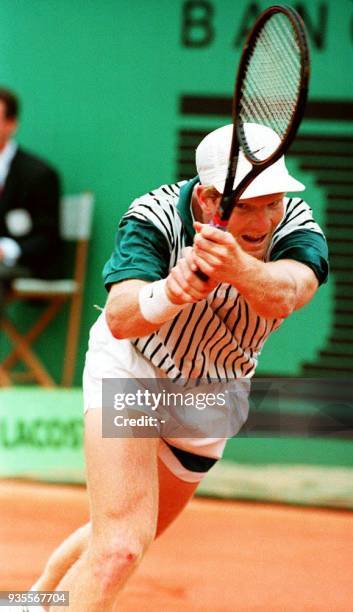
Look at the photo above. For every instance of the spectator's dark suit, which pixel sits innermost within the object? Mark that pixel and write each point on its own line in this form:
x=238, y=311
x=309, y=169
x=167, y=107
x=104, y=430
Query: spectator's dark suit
x=32, y=189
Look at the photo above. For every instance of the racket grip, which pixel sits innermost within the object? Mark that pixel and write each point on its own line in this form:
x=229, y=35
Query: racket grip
x=220, y=224
x=202, y=275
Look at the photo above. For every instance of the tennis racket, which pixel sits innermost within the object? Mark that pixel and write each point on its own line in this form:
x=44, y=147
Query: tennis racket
x=271, y=90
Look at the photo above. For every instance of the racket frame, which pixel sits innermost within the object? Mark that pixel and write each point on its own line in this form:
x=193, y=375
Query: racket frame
x=231, y=196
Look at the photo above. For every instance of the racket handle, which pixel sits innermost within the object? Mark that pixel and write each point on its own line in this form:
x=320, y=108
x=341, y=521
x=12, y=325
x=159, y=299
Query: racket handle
x=220, y=224
x=202, y=276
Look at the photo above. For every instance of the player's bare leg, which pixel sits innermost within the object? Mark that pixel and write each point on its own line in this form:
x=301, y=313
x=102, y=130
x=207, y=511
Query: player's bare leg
x=173, y=496
x=123, y=488
x=63, y=558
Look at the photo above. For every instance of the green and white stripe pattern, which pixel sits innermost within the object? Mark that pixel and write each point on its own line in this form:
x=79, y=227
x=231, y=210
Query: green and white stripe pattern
x=221, y=337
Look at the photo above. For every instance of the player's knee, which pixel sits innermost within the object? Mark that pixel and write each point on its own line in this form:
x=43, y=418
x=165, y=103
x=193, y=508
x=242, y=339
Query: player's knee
x=116, y=560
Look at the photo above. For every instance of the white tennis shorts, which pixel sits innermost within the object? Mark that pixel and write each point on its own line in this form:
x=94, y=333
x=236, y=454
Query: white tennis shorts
x=107, y=357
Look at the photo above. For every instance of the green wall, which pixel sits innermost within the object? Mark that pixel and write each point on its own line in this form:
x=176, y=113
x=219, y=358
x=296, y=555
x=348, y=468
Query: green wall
x=100, y=84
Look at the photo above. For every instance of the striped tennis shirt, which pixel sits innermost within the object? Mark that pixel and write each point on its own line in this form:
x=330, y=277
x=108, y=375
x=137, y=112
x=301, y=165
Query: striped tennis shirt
x=220, y=337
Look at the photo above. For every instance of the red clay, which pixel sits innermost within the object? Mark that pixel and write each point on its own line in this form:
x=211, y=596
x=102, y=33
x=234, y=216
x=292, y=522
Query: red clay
x=218, y=556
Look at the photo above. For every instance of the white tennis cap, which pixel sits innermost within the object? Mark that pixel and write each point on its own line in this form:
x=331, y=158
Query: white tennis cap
x=212, y=156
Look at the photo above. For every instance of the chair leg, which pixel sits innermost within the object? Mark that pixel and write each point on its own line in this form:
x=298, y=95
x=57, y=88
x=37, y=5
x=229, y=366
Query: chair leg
x=35, y=331
x=27, y=355
x=72, y=340
x=5, y=380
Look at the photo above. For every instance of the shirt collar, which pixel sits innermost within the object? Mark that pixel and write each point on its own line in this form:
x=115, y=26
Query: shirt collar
x=184, y=209
x=6, y=157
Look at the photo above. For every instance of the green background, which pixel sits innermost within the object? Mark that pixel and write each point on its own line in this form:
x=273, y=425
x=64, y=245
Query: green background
x=41, y=439
x=100, y=84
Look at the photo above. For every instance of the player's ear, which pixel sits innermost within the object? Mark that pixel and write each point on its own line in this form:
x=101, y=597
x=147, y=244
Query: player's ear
x=206, y=198
x=200, y=191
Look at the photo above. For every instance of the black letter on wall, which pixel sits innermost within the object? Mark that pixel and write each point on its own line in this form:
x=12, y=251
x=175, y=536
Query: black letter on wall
x=317, y=34
x=197, y=30
x=251, y=14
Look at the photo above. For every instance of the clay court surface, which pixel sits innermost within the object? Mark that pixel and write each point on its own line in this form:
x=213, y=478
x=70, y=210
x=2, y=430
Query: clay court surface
x=218, y=556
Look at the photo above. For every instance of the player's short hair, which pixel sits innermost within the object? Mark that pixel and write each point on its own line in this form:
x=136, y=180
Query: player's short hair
x=11, y=102
x=211, y=192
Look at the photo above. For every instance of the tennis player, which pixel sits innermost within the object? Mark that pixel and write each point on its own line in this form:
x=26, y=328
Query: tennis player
x=162, y=322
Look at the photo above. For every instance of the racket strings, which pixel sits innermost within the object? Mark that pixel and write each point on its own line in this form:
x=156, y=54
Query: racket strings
x=278, y=50
x=272, y=80
x=289, y=45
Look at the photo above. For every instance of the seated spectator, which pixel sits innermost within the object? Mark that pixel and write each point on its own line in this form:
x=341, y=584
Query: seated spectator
x=29, y=205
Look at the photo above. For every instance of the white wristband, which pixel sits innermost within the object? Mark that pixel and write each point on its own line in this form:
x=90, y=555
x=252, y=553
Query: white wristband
x=154, y=303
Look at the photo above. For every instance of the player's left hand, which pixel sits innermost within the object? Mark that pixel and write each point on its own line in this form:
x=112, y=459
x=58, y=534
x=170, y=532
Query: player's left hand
x=183, y=285
x=216, y=253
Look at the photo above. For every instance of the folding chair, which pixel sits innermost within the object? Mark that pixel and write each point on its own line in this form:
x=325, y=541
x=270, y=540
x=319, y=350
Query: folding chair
x=75, y=226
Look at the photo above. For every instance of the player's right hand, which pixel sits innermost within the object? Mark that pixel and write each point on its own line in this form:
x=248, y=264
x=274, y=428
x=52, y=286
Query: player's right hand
x=183, y=285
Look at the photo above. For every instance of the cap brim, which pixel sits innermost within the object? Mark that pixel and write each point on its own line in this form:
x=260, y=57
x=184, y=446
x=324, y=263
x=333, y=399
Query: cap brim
x=260, y=187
